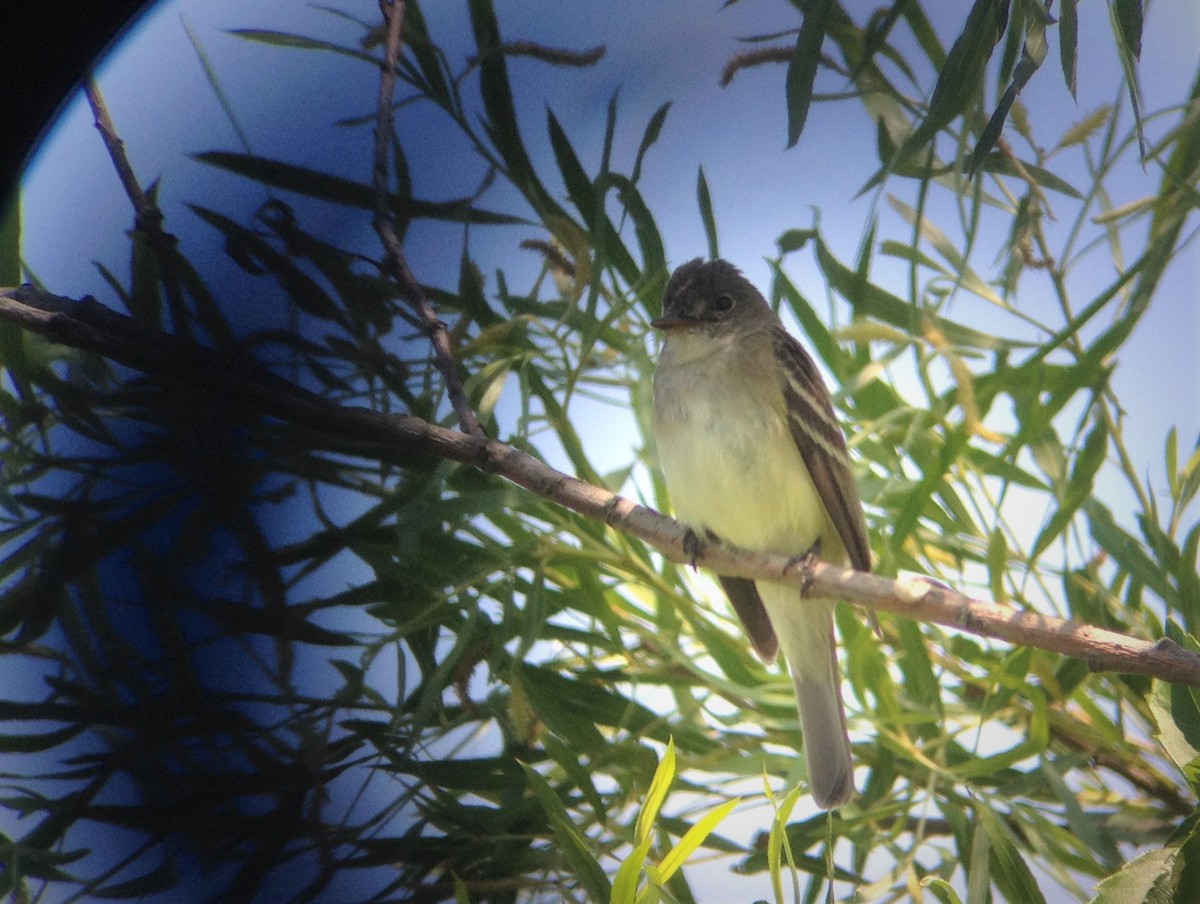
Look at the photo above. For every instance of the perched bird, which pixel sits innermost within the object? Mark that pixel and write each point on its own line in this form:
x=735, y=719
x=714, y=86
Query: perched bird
x=753, y=454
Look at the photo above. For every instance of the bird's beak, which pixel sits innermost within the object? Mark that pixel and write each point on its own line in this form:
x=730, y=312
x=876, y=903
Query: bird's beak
x=666, y=324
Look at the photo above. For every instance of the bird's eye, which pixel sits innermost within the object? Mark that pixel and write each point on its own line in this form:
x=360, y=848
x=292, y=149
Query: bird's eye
x=723, y=304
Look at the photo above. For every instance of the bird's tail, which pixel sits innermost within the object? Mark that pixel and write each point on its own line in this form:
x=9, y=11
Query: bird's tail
x=805, y=631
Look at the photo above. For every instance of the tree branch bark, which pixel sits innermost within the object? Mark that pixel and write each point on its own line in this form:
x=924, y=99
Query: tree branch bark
x=86, y=324
x=395, y=263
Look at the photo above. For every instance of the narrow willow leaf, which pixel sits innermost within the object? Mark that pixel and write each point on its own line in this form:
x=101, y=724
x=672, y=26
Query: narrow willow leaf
x=625, y=884
x=1139, y=878
x=574, y=846
x=659, y=786
x=1009, y=870
x=10, y=242
x=1032, y=55
x=920, y=497
x=960, y=79
x=579, y=186
x=462, y=894
x=1130, y=21
x=247, y=245
x=941, y=889
x=502, y=126
x=654, y=256
x=778, y=843
x=162, y=878
x=1079, y=487
x=16, y=743
x=300, y=42
x=997, y=563
x=802, y=68
x=327, y=187
x=962, y=269
x=578, y=772
x=704, y=200
x=1068, y=42
x=653, y=130
x=429, y=58
x=873, y=301
x=1127, y=24
x=1125, y=550
x=1085, y=826
x=693, y=838
x=1177, y=716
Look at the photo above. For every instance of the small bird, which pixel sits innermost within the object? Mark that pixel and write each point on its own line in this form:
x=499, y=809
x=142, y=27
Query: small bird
x=753, y=454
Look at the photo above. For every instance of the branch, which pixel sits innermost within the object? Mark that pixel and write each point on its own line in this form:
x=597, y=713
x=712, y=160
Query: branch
x=147, y=216
x=395, y=264
x=89, y=325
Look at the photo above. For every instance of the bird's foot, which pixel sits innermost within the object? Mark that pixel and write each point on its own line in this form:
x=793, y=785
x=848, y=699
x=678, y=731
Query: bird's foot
x=804, y=563
x=693, y=546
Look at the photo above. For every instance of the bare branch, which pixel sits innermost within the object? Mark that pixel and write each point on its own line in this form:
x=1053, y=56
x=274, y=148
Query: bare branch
x=89, y=325
x=395, y=264
x=148, y=216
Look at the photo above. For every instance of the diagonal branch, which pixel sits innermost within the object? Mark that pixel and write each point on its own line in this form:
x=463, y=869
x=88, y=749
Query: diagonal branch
x=395, y=264
x=89, y=325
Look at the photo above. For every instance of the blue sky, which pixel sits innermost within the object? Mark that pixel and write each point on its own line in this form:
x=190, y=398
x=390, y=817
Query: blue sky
x=674, y=51
x=665, y=50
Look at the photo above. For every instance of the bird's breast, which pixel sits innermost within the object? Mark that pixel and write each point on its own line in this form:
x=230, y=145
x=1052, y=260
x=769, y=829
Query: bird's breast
x=728, y=456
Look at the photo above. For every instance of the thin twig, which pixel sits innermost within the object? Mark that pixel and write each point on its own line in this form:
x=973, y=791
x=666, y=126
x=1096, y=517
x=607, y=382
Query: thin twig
x=240, y=382
x=149, y=217
x=395, y=264
x=148, y=222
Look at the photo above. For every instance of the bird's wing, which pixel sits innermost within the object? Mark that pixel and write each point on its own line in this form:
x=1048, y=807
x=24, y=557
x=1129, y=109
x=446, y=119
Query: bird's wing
x=819, y=438
x=748, y=605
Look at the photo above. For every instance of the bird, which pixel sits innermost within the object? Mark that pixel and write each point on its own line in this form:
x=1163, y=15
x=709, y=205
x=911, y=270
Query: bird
x=753, y=455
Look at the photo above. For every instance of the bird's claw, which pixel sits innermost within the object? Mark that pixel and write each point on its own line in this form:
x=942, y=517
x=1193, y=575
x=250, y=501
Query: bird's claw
x=804, y=563
x=693, y=546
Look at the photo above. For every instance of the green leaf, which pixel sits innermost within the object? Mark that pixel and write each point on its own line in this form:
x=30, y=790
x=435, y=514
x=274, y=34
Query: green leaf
x=654, y=257
x=1177, y=715
x=961, y=268
x=802, y=68
x=1129, y=22
x=704, y=200
x=870, y=300
x=653, y=130
x=1032, y=54
x=919, y=497
x=1009, y=870
x=625, y=885
x=1085, y=826
x=579, y=187
x=327, y=187
x=250, y=249
x=574, y=846
x=35, y=743
x=960, y=79
x=941, y=889
x=10, y=241
x=1068, y=42
x=300, y=42
x=1078, y=489
x=693, y=838
x=502, y=125
x=1140, y=878
x=659, y=786
x=1125, y=550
